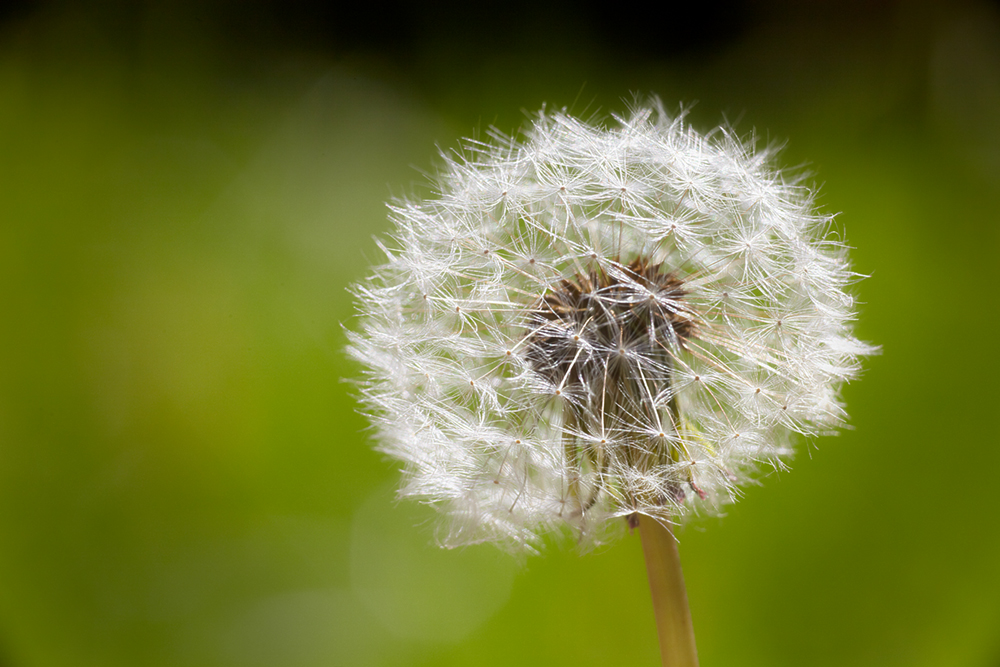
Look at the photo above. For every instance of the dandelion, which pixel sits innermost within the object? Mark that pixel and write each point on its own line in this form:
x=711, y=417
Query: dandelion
x=591, y=326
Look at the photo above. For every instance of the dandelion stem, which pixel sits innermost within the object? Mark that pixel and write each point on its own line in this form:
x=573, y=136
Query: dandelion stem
x=670, y=604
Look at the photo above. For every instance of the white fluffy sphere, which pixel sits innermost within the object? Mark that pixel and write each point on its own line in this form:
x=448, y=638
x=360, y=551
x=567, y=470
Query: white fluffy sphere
x=588, y=323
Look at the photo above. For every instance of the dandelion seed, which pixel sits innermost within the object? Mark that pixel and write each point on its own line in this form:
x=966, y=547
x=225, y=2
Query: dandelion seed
x=655, y=333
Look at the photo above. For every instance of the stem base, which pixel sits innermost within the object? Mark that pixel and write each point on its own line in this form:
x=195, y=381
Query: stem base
x=670, y=603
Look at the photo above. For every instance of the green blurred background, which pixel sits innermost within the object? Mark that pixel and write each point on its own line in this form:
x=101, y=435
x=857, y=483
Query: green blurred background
x=186, y=189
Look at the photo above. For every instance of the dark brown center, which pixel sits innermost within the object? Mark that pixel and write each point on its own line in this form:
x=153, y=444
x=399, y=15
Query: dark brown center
x=600, y=327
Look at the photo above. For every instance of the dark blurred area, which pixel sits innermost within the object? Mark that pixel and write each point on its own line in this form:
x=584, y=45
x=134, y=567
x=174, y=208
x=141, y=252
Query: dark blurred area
x=402, y=31
x=187, y=190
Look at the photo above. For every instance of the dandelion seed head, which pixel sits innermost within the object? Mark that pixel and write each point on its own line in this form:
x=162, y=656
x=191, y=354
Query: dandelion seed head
x=591, y=322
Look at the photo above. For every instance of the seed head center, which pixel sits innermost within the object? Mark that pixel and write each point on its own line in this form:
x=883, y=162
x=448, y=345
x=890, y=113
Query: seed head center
x=580, y=331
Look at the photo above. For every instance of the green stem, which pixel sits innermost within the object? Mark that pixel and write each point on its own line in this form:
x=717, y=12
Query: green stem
x=670, y=604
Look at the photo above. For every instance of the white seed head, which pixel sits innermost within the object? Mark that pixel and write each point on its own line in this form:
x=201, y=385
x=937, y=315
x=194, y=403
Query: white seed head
x=587, y=323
